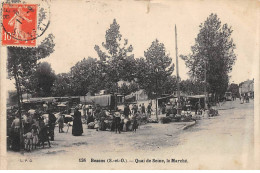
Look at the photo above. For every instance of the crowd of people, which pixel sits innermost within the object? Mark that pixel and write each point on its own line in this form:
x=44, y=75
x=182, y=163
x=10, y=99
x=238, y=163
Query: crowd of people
x=37, y=125
x=117, y=120
x=35, y=128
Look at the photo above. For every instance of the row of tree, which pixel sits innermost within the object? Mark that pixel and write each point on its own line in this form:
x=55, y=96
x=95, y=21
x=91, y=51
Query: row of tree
x=116, y=62
x=212, y=54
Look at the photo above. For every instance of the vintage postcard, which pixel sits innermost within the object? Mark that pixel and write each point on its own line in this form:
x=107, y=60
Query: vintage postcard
x=129, y=84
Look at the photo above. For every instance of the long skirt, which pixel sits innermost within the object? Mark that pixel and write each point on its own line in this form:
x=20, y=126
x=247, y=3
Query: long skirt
x=77, y=128
x=16, y=141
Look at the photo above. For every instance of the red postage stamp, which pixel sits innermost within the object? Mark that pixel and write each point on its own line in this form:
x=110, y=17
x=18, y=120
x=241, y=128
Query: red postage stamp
x=19, y=24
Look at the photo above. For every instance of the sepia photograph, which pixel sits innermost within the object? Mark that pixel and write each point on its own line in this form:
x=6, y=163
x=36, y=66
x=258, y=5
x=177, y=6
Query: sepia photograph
x=122, y=85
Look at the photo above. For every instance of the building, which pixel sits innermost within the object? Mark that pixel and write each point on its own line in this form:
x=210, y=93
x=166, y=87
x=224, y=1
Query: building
x=138, y=95
x=247, y=88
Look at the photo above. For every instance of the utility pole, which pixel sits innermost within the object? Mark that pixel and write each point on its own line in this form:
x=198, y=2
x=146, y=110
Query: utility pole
x=205, y=85
x=177, y=72
x=156, y=106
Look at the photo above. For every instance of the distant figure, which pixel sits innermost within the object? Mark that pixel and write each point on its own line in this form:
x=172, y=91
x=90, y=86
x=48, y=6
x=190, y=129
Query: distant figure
x=90, y=119
x=43, y=134
x=77, y=129
x=127, y=111
x=184, y=107
x=163, y=108
x=45, y=107
x=97, y=111
x=96, y=126
x=117, y=123
x=140, y=108
x=90, y=111
x=135, y=109
x=247, y=99
x=16, y=133
x=35, y=138
x=28, y=141
x=143, y=109
x=174, y=110
x=52, y=121
x=135, y=124
x=31, y=112
x=84, y=111
x=149, y=110
x=197, y=107
x=26, y=123
x=60, y=122
x=102, y=124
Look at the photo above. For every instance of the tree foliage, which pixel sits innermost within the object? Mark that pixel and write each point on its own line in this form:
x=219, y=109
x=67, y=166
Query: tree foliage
x=214, y=52
x=191, y=87
x=234, y=88
x=22, y=61
x=125, y=89
x=62, y=85
x=154, y=71
x=117, y=60
x=86, y=76
x=42, y=79
x=25, y=58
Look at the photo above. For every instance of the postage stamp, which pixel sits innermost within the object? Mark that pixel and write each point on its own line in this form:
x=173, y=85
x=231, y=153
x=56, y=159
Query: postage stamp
x=19, y=24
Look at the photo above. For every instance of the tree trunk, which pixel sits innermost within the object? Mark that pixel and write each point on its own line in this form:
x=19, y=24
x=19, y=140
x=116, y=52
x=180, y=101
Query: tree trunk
x=18, y=89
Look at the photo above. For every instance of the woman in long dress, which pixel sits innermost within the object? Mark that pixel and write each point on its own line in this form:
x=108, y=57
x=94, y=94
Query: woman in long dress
x=16, y=133
x=77, y=129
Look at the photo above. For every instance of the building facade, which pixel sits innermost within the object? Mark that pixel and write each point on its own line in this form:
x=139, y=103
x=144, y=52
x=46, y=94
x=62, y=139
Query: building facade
x=246, y=88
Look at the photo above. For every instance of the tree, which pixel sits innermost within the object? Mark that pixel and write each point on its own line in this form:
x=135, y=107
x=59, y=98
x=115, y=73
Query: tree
x=234, y=88
x=62, y=85
x=42, y=79
x=21, y=63
x=86, y=76
x=12, y=98
x=154, y=70
x=170, y=85
x=127, y=89
x=124, y=89
x=117, y=60
x=214, y=52
x=191, y=87
x=133, y=87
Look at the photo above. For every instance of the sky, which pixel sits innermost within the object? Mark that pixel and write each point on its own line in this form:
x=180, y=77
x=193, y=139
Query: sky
x=80, y=25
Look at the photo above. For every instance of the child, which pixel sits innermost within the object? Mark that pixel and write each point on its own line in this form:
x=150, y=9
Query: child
x=60, y=121
x=117, y=123
x=28, y=141
x=135, y=124
x=35, y=133
x=96, y=124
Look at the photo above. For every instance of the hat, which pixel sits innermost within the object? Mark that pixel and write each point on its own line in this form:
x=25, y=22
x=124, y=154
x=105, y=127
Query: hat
x=117, y=114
